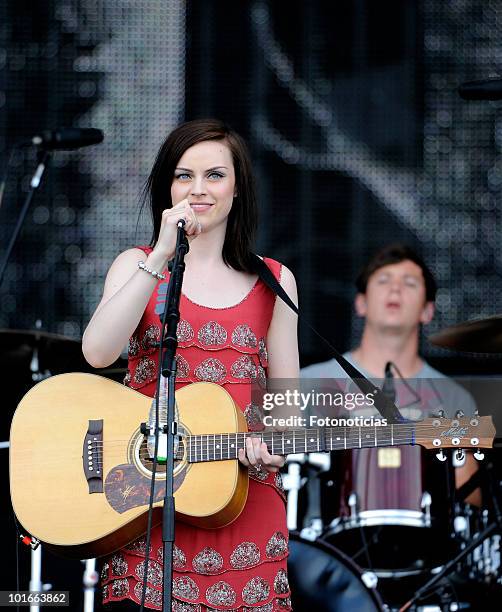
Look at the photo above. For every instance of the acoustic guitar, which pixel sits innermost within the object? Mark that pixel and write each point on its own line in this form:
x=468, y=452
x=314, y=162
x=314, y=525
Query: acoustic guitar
x=80, y=471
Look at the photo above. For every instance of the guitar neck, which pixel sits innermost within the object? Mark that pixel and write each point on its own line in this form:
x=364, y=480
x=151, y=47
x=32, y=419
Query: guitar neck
x=215, y=447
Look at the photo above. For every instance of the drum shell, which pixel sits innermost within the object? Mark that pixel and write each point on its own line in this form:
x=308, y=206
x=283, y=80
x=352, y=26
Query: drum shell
x=323, y=579
x=389, y=528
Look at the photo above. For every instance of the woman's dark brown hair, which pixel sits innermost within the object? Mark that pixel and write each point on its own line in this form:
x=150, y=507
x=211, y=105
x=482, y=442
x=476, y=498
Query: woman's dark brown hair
x=243, y=216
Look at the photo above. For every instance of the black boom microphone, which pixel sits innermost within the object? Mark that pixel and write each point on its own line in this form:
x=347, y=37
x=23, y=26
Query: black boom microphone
x=490, y=89
x=67, y=138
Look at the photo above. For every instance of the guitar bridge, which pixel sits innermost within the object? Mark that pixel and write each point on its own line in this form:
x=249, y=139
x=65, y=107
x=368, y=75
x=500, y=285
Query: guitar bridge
x=92, y=456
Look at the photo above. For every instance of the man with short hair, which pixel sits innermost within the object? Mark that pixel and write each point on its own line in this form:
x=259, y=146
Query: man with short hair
x=396, y=293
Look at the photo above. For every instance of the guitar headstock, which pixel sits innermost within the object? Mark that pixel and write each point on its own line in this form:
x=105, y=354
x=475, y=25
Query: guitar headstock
x=466, y=432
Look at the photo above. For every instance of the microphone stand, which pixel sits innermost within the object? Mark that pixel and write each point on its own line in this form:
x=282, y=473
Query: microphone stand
x=171, y=317
x=43, y=157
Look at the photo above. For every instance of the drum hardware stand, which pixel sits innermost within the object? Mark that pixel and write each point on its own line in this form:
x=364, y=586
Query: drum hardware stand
x=90, y=580
x=315, y=525
x=495, y=527
x=36, y=584
x=292, y=484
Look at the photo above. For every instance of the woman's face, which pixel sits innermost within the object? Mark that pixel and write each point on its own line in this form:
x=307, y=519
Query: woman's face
x=205, y=176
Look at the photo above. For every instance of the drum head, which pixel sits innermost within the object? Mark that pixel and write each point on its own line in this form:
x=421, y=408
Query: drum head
x=323, y=579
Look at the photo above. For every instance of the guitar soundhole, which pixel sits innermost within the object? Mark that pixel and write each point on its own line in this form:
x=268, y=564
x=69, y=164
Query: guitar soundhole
x=138, y=454
x=146, y=462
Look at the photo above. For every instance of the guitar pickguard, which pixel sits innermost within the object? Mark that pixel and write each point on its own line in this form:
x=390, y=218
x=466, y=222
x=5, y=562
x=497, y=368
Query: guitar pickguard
x=126, y=488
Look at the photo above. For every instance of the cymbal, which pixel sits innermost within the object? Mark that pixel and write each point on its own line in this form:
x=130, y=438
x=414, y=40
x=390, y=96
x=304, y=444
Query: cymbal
x=477, y=336
x=55, y=352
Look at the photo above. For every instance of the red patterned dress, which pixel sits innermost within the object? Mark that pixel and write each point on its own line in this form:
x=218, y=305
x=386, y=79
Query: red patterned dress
x=241, y=566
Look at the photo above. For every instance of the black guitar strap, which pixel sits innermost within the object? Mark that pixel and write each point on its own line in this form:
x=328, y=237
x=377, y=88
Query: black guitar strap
x=382, y=403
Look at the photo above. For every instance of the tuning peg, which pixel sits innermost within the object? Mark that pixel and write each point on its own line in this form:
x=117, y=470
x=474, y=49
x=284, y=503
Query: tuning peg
x=459, y=455
x=442, y=413
x=459, y=414
x=479, y=455
x=441, y=456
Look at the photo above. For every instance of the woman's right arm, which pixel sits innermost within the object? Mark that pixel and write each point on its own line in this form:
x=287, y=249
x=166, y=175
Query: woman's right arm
x=128, y=289
x=125, y=296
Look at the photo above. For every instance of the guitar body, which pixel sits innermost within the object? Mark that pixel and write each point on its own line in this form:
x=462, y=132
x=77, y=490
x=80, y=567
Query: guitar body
x=79, y=479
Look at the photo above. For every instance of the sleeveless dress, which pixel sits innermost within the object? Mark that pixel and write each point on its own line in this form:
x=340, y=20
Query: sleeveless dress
x=241, y=566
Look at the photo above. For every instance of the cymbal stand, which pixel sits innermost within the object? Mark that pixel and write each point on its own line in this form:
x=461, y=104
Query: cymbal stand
x=495, y=527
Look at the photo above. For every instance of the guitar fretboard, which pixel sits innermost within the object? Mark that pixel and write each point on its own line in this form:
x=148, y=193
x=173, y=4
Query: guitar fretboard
x=217, y=447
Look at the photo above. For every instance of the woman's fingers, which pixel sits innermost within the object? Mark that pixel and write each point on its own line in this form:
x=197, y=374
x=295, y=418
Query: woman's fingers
x=271, y=462
x=184, y=211
x=256, y=454
x=242, y=457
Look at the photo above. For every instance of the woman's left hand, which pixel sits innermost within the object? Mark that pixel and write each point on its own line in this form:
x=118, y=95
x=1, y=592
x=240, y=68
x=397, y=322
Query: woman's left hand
x=256, y=454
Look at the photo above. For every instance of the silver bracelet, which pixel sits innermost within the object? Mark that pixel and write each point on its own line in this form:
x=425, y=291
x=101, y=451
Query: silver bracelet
x=142, y=266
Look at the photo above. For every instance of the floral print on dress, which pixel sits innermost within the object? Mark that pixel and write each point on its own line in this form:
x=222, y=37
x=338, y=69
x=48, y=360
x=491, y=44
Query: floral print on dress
x=254, y=416
x=139, y=546
x=185, y=587
x=245, y=555
x=154, y=572
x=244, y=367
x=151, y=338
x=212, y=334
x=266, y=608
x=208, y=561
x=262, y=352
x=244, y=336
x=184, y=606
x=277, y=546
x=182, y=367
x=119, y=565
x=221, y=594
x=262, y=378
x=153, y=596
x=211, y=370
x=256, y=590
x=281, y=584
x=184, y=331
x=120, y=587
x=179, y=558
x=285, y=603
x=133, y=348
x=146, y=370
x=257, y=472
x=104, y=571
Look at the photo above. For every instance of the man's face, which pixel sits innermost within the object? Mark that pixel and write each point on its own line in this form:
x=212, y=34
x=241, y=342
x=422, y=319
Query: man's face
x=395, y=298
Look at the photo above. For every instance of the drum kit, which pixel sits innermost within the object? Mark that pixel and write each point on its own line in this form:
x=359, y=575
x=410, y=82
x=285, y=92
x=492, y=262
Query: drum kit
x=362, y=538
x=367, y=538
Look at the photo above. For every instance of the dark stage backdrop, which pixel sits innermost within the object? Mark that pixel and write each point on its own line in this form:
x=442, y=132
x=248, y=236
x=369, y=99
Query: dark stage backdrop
x=357, y=133
x=350, y=107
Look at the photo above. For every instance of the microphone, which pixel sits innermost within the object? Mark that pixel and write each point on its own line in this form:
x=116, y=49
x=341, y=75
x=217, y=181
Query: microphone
x=490, y=89
x=388, y=387
x=66, y=139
